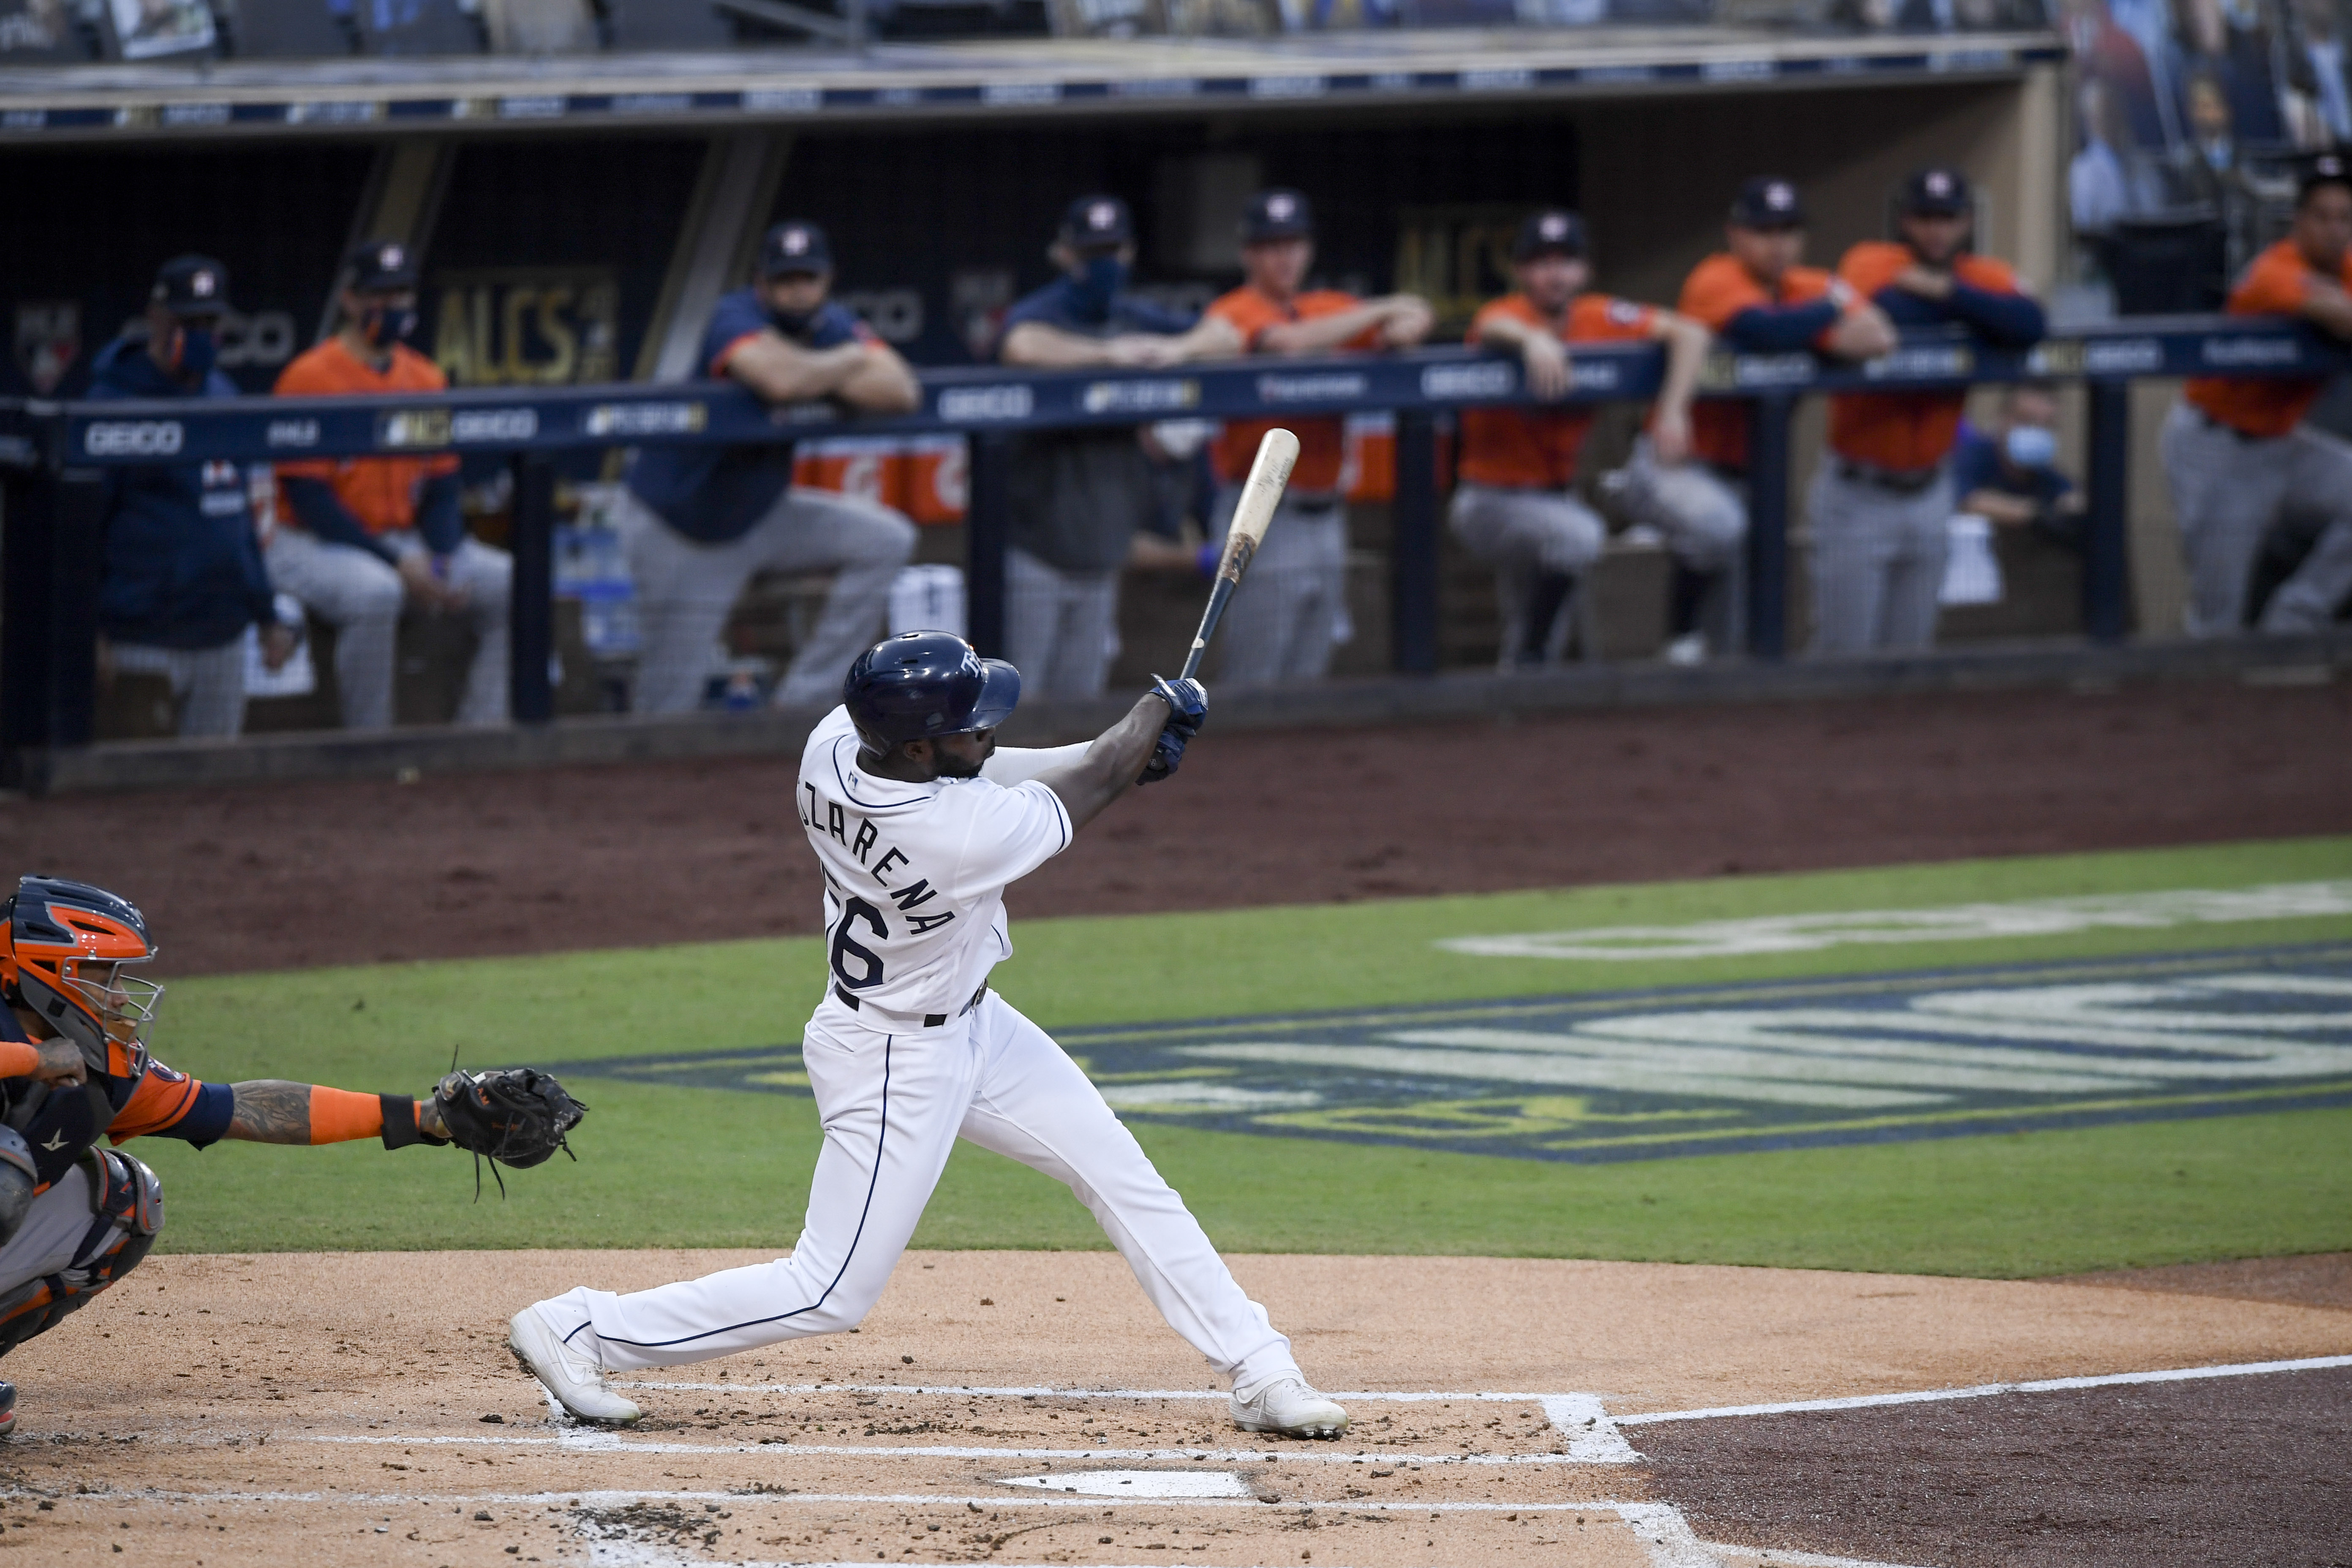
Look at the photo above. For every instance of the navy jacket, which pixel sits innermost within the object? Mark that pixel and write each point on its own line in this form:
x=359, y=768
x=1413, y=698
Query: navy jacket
x=183, y=566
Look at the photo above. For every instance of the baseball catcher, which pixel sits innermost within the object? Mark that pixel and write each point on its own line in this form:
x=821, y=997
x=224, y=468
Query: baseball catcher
x=76, y=1213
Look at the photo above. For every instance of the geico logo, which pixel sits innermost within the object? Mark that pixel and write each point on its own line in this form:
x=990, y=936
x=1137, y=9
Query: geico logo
x=987, y=403
x=495, y=425
x=133, y=439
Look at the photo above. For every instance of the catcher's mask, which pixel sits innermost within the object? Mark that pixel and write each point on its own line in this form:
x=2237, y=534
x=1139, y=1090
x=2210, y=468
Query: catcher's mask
x=63, y=948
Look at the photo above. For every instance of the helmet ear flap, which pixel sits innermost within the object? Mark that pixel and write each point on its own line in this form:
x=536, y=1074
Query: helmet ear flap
x=58, y=1011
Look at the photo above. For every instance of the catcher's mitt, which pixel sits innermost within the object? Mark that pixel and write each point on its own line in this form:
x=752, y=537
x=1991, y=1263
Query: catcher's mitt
x=515, y=1115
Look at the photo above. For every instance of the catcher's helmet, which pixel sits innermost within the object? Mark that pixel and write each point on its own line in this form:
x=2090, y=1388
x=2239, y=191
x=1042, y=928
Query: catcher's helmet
x=916, y=685
x=63, y=946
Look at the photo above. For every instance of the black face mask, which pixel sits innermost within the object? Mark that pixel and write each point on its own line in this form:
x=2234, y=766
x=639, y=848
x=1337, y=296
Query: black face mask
x=386, y=325
x=792, y=323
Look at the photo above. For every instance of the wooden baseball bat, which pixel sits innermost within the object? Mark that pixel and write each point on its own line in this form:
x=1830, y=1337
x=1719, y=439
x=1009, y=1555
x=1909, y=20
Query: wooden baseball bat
x=1261, y=493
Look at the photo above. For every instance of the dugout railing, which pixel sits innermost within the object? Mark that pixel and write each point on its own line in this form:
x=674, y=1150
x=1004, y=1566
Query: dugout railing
x=52, y=456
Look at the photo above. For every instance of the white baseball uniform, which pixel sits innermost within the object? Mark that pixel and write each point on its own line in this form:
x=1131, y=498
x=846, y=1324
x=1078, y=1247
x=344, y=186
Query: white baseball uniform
x=909, y=1051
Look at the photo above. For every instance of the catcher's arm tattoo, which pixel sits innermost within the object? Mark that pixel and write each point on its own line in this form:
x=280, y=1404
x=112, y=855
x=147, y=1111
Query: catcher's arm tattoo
x=271, y=1110
x=275, y=1110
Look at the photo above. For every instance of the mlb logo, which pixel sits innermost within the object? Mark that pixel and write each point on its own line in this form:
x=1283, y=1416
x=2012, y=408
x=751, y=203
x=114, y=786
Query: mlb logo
x=219, y=475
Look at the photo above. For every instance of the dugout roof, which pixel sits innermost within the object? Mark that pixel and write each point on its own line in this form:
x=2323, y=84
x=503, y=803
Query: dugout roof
x=50, y=104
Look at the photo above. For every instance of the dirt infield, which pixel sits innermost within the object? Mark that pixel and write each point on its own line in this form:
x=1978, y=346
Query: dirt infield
x=1024, y=1408
x=261, y=877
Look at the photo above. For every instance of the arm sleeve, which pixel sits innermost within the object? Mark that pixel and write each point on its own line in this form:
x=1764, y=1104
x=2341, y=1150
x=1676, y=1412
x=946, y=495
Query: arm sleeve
x=439, y=516
x=1011, y=764
x=1786, y=329
x=321, y=511
x=2013, y=320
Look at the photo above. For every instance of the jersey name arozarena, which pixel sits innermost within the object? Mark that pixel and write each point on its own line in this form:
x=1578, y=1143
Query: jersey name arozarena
x=914, y=874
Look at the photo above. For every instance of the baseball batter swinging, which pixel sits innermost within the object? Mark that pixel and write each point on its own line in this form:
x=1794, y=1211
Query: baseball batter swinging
x=919, y=822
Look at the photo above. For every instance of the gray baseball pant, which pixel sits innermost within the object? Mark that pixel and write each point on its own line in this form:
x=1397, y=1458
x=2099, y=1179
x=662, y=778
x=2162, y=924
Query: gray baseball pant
x=1291, y=609
x=2230, y=492
x=686, y=589
x=1525, y=536
x=1877, y=562
x=1061, y=627
x=356, y=593
x=1704, y=518
x=208, y=683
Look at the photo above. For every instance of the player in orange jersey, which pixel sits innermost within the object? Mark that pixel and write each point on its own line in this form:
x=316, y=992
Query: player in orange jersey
x=1516, y=509
x=1880, y=503
x=1292, y=609
x=1756, y=297
x=2241, y=460
x=359, y=537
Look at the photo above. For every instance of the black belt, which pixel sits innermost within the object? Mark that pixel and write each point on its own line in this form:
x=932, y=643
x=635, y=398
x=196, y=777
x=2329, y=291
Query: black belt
x=1909, y=482
x=930, y=1020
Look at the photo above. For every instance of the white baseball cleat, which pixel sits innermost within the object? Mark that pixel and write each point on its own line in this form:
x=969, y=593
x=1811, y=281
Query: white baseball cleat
x=576, y=1380
x=1289, y=1407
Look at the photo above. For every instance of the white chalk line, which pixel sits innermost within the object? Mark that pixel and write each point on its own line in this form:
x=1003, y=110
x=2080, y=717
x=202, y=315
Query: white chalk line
x=594, y=1442
x=608, y=1496
x=1043, y=1391
x=1988, y=1390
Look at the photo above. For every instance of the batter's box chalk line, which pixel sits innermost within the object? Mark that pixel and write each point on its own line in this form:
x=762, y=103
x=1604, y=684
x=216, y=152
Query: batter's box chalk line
x=1665, y=1537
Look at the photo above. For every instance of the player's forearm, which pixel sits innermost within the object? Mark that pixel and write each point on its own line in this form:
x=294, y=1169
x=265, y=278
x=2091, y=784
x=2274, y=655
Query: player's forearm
x=880, y=382
x=1687, y=344
x=1035, y=344
x=1110, y=764
x=780, y=373
x=275, y=1110
x=1212, y=336
x=1322, y=334
x=2329, y=309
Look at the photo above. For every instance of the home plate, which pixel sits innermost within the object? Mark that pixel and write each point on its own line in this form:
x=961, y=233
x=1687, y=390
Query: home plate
x=1139, y=1483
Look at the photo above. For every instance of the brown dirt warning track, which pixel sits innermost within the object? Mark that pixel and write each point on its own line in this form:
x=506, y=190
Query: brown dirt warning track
x=1027, y=1408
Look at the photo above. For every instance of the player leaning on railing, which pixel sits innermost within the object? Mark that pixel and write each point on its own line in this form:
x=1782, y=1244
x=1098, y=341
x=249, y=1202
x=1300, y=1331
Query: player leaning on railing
x=75, y=1216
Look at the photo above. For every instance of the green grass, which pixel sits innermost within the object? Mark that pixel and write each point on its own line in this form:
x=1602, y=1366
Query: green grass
x=669, y=1166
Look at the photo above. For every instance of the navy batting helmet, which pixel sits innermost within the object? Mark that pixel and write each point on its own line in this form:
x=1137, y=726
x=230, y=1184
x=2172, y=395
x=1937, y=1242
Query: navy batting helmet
x=918, y=684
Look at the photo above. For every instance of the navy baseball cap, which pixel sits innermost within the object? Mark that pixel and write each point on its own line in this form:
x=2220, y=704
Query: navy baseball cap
x=794, y=247
x=1555, y=231
x=1936, y=192
x=2328, y=169
x=1768, y=202
x=382, y=265
x=1098, y=223
x=1277, y=215
x=192, y=286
